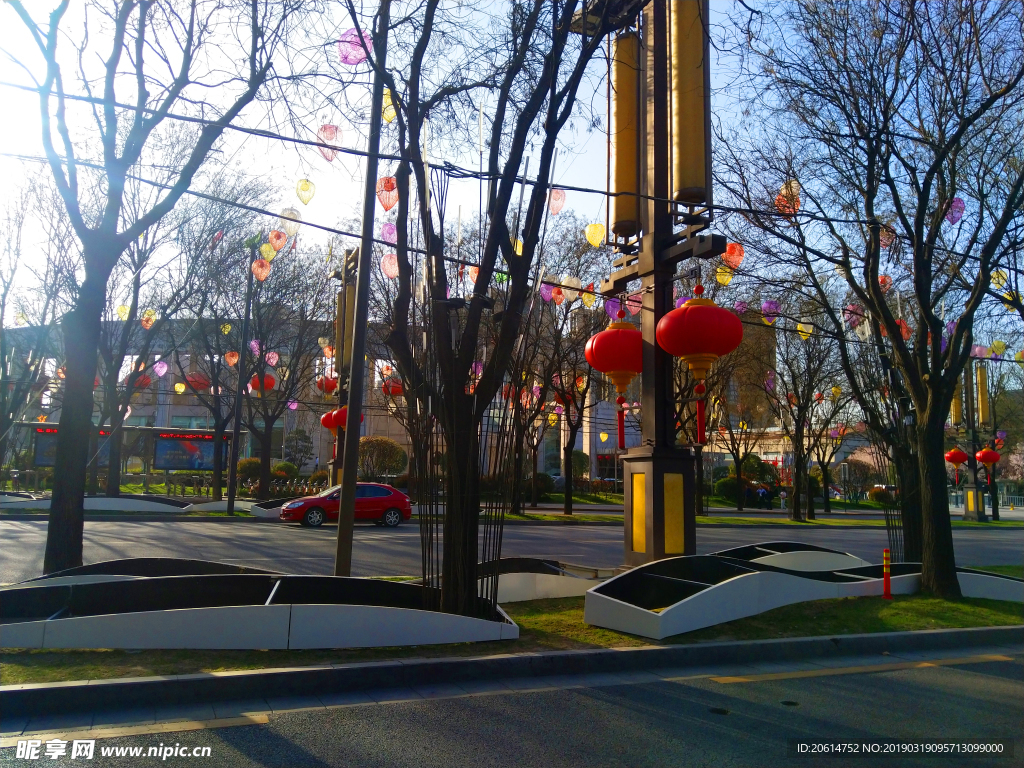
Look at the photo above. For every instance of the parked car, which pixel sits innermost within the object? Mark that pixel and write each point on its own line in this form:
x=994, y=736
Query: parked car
x=374, y=501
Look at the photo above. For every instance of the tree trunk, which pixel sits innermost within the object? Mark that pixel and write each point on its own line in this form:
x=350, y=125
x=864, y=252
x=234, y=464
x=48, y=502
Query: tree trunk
x=266, y=441
x=909, y=480
x=798, y=477
x=81, y=331
x=567, y=460
x=938, y=562
x=534, y=491
x=810, y=496
x=826, y=491
x=461, y=519
x=739, y=483
x=219, y=427
x=115, y=441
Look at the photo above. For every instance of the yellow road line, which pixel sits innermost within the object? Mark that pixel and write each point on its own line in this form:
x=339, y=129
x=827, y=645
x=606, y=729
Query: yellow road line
x=828, y=672
x=139, y=730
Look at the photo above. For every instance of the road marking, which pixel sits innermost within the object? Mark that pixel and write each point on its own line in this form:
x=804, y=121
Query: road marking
x=828, y=672
x=139, y=730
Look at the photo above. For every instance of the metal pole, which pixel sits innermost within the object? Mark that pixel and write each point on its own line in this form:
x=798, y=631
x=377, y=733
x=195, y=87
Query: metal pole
x=236, y=427
x=347, y=503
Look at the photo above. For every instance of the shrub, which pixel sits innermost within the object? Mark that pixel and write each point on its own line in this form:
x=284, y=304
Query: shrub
x=286, y=468
x=401, y=481
x=580, y=464
x=318, y=477
x=249, y=469
x=726, y=487
x=545, y=484
x=720, y=472
x=380, y=457
x=880, y=496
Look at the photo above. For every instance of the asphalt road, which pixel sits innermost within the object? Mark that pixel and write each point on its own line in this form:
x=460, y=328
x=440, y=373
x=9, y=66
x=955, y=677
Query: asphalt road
x=383, y=552
x=686, y=722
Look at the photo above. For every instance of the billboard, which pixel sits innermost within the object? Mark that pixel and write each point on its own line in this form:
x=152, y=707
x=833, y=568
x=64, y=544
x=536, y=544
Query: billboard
x=183, y=451
x=45, y=453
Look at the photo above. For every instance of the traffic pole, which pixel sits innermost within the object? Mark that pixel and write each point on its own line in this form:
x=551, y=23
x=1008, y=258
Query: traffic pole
x=886, y=585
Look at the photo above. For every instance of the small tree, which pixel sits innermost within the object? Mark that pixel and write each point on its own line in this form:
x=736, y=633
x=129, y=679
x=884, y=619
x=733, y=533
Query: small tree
x=380, y=457
x=298, y=447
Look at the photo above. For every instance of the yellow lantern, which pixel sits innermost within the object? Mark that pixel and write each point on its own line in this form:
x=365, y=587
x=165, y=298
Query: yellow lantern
x=724, y=275
x=267, y=252
x=998, y=347
x=552, y=419
x=999, y=278
x=149, y=314
x=305, y=189
x=388, y=112
x=595, y=234
x=122, y=312
x=517, y=247
x=604, y=437
x=225, y=329
x=804, y=329
x=179, y=388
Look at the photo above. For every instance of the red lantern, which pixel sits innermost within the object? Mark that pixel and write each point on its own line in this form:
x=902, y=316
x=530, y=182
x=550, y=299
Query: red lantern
x=988, y=457
x=699, y=332
x=326, y=384
x=141, y=382
x=327, y=421
x=268, y=382
x=197, y=381
x=336, y=419
x=956, y=457
x=617, y=352
x=393, y=387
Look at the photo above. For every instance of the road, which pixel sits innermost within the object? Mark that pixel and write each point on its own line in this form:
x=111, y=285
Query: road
x=384, y=552
x=688, y=721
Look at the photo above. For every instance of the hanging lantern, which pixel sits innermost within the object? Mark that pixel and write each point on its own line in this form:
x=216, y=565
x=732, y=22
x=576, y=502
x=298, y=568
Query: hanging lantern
x=594, y=234
x=225, y=328
x=292, y=405
x=517, y=246
x=392, y=387
x=853, y=314
x=956, y=210
x=389, y=232
x=277, y=240
x=388, y=112
x=571, y=287
x=805, y=330
x=988, y=457
x=179, y=388
x=724, y=274
x=886, y=236
x=557, y=296
x=261, y=269
x=290, y=221
x=617, y=352
x=123, y=312
x=160, y=368
x=699, y=333
x=328, y=351
x=885, y=283
x=282, y=373
x=305, y=190
x=546, y=291
x=556, y=201
x=733, y=255
x=147, y=322
x=905, y=330
x=197, y=381
x=769, y=311
x=22, y=319
x=956, y=457
x=552, y=419
x=255, y=347
x=323, y=341
x=389, y=265
x=581, y=383
x=836, y=392
x=998, y=347
x=267, y=252
x=1010, y=299
x=328, y=134
x=268, y=382
x=588, y=296
x=634, y=303
x=387, y=192
x=354, y=48
x=819, y=397
x=326, y=384
x=271, y=358
x=230, y=358
x=787, y=202
x=740, y=307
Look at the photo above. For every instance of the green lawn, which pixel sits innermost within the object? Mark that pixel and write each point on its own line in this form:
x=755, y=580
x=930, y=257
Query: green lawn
x=1006, y=570
x=582, y=498
x=545, y=625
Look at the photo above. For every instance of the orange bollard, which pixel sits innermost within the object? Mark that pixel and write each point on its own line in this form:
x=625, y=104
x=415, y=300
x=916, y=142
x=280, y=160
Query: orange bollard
x=886, y=586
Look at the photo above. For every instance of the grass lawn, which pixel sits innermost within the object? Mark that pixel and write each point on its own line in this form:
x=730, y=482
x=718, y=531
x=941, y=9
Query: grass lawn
x=583, y=498
x=545, y=625
x=576, y=516
x=1006, y=570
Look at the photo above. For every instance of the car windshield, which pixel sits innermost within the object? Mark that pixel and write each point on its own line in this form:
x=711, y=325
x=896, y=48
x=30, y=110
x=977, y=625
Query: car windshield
x=329, y=491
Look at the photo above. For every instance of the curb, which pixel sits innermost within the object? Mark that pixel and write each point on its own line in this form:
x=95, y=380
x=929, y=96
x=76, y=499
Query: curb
x=91, y=695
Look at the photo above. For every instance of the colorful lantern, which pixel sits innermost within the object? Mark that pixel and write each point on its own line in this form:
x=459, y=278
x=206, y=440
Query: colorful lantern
x=305, y=189
x=292, y=405
x=328, y=134
x=552, y=420
x=557, y=295
x=326, y=384
x=634, y=303
x=147, y=322
x=387, y=192
x=277, y=240
x=594, y=234
x=290, y=221
x=255, y=347
x=740, y=307
x=905, y=330
x=724, y=274
x=999, y=278
x=805, y=330
x=836, y=392
x=787, y=202
x=588, y=296
x=393, y=388
x=998, y=347
x=956, y=210
x=389, y=232
x=123, y=312
x=231, y=358
x=617, y=352
x=556, y=201
x=546, y=291
x=389, y=265
x=885, y=283
x=225, y=328
x=604, y=437
x=988, y=457
x=354, y=48
x=769, y=311
x=853, y=314
x=328, y=351
x=261, y=269
x=571, y=287
x=197, y=381
x=160, y=368
x=699, y=333
x=267, y=252
x=733, y=255
x=473, y=273
x=268, y=382
x=388, y=112
x=886, y=236
x=271, y=358
x=179, y=388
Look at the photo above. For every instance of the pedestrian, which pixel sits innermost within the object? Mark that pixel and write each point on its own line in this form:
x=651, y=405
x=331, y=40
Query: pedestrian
x=762, y=496
x=782, y=499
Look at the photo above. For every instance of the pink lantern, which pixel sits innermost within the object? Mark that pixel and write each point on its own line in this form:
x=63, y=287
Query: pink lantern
x=255, y=346
x=272, y=358
x=353, y=49
x=389, y=266
x=328, y=134
x=557, y=201
x=389, y=233
x=387, y=192
x=634, y=303
x=956, y=210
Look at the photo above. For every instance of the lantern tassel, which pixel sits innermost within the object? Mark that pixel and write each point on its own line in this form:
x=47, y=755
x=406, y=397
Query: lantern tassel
x=621, y=417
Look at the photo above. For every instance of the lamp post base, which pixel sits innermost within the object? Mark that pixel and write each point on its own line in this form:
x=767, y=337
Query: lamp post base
x=974, y=504
x=659, y=504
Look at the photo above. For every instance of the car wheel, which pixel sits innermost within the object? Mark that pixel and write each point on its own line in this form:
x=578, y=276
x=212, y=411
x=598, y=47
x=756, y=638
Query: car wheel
x=391, y=518
x=314, y=517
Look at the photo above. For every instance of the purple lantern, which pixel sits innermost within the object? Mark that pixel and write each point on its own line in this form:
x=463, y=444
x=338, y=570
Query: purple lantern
x=769, y=381
x=389, y=233
x=682, y=300
x=611, y=308
x=160, y=368
x=292, y=405
x=770, y=311
x=546, y=291
x=352, y=49
x=255, y=346
x=956, y=211
x=477, y=368
x=740, y=307
x=559, y=410
x=1001, y=435
x=950, y=326
x=853, y=314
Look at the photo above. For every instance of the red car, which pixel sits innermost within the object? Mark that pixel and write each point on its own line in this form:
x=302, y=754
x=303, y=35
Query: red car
x=374, y=501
